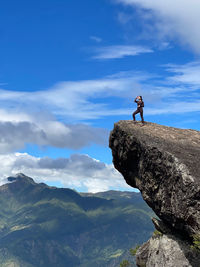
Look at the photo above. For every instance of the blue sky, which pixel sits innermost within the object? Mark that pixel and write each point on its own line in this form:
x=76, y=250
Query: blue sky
x=70, y=69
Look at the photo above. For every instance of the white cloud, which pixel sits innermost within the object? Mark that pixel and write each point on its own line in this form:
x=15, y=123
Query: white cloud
x=78, y=171
x=179, y=91
x=75, y=101
x=96, y=39
x=18, y=130
x=179, y=19
x=187, y=74
x=120, y=51
x=175, y=107
x=92, y=99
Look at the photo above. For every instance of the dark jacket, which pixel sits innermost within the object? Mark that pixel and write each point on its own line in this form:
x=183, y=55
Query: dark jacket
x=140, y=103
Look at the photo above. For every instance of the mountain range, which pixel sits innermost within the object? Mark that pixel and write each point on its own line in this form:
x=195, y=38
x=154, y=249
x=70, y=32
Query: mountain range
x=44, y=226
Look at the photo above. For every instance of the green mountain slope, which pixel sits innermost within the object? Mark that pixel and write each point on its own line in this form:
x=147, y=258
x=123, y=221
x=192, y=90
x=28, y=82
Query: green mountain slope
x=48, y=226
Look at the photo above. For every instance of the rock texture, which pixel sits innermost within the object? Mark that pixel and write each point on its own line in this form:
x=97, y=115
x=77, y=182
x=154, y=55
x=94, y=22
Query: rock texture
x=164, y=164
x=167, y=250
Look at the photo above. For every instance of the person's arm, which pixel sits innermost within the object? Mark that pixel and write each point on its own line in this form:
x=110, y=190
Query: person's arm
x=136, y=100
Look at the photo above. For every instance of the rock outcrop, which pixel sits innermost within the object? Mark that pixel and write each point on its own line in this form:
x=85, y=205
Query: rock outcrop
x=164, y=164
x=167, y=251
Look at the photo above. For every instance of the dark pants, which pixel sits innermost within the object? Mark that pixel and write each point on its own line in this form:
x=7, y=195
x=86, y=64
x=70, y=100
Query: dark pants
x=139, y=110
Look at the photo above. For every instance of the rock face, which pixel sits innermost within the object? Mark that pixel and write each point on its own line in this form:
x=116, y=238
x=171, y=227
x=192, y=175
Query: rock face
x=164, y=164
x=167, y=251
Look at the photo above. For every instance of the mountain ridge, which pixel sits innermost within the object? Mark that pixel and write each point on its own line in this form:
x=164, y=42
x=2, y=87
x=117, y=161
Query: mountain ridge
x=47, y=226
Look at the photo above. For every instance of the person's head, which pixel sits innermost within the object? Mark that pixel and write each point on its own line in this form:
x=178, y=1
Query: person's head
x=140, y=97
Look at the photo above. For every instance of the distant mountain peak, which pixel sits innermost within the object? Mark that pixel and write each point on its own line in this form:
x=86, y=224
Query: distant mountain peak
x=20, y=177
x=38, y=221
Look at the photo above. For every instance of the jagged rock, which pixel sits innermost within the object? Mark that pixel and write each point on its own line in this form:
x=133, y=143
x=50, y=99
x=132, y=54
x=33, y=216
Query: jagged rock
x=167, y=251
x=164, y=164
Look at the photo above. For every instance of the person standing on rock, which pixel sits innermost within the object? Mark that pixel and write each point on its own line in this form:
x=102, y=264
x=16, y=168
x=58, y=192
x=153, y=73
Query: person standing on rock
x=140, y=105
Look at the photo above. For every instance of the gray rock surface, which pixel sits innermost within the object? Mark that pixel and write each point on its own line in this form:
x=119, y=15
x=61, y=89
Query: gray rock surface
x=167, y=250
x=164, y=164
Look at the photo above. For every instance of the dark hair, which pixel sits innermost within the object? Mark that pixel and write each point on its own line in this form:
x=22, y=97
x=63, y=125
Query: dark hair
x=141, y=97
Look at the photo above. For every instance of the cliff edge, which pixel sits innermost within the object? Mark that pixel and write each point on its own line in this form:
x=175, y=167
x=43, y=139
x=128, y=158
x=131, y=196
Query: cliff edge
x=164, y=164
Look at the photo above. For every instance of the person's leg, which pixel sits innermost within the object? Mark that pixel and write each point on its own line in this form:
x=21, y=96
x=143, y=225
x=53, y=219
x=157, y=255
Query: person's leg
x=134, y=113
x=141, y=115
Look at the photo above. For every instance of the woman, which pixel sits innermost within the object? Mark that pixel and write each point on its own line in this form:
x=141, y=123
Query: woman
x=140, y=105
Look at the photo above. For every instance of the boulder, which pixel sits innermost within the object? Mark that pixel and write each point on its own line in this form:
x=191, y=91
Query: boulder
x=167, y=251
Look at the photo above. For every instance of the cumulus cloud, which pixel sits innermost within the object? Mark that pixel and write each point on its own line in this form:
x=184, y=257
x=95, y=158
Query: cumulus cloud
x=18, y=130
x=120, y=51
x=179, y=19
x=78, y=171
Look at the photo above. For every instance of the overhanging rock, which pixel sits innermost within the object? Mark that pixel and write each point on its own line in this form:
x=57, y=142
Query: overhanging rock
x=164, y=164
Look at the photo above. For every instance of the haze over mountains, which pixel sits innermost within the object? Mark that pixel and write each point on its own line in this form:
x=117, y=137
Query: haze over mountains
x=49, y=226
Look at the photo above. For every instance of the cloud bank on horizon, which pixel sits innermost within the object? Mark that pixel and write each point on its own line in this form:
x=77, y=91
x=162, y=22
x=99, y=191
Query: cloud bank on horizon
x=79, y=171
